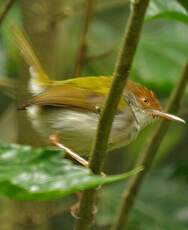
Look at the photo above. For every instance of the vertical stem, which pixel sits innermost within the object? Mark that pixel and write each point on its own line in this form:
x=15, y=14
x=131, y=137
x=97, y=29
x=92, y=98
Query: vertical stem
x=122, y=69
x=82, y=49
x=147, y=156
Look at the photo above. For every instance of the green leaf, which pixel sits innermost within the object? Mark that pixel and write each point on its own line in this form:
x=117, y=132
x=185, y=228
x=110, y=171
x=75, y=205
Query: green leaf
x=161, y=55
x=170, y=9
x=43, y=174
x=161, y=204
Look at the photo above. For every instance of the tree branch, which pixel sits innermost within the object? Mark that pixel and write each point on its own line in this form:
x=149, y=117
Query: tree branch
x=147, y=156
x=101, y=6
x=122, y=69
x=82, y=50
x=5, y=10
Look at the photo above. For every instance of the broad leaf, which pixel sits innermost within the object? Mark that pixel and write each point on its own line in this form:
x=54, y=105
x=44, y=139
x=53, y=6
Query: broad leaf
x=161, y=54
x=42, y=174
x=170, y=9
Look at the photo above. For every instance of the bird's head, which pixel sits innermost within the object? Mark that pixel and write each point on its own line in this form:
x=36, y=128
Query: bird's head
x=145, y=105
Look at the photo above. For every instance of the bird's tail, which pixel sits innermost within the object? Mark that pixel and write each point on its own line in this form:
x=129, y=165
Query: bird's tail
x=38, y=76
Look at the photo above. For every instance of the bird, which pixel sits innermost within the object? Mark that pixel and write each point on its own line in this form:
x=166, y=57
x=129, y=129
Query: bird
x=66, y=112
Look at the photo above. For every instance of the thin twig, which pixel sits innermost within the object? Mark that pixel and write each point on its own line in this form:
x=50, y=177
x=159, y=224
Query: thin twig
x=5, y=10
x=82, y=49
x=70, y=11
x=147, y=156
x=122, y=69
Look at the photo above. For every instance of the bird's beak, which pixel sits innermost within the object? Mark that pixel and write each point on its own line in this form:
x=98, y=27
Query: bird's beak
x=168, y=116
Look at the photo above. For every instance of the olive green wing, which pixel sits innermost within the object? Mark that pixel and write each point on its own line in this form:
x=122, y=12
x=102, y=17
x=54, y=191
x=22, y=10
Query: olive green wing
x=69, y=95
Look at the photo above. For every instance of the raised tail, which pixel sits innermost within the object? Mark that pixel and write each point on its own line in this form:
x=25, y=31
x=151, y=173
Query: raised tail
x=39, y=79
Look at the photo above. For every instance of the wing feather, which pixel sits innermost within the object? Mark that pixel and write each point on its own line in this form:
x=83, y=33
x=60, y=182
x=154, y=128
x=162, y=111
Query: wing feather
x=69, y=95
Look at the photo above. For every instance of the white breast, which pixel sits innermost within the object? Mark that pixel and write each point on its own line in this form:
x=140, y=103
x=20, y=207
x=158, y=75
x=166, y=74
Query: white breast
x=78, y=129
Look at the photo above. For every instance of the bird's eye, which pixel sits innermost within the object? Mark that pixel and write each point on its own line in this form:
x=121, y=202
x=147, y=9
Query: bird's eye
x=145, y=100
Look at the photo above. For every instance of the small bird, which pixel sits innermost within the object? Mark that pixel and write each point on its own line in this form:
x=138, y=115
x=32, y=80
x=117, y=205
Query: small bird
x=68, y=111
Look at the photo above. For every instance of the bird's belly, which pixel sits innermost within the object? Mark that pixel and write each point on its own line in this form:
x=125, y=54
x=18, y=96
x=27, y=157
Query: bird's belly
x=77, y=128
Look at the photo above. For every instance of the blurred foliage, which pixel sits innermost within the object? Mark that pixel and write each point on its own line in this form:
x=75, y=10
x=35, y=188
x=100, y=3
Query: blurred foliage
x=160, y=56
x=174, y=136
x=184, y=3
x=167, y=9
x=10, y=65
x=161, y=204
x=43, y=174
x=181, y=171
x=9, y=131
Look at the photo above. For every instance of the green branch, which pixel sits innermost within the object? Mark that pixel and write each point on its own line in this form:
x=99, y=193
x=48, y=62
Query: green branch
x=122, y=69
x=5, y=10
x=147, y=156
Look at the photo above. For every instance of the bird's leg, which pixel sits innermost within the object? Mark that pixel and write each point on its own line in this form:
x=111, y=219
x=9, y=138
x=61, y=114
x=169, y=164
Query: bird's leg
x=74, y=209
x=54, y=140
